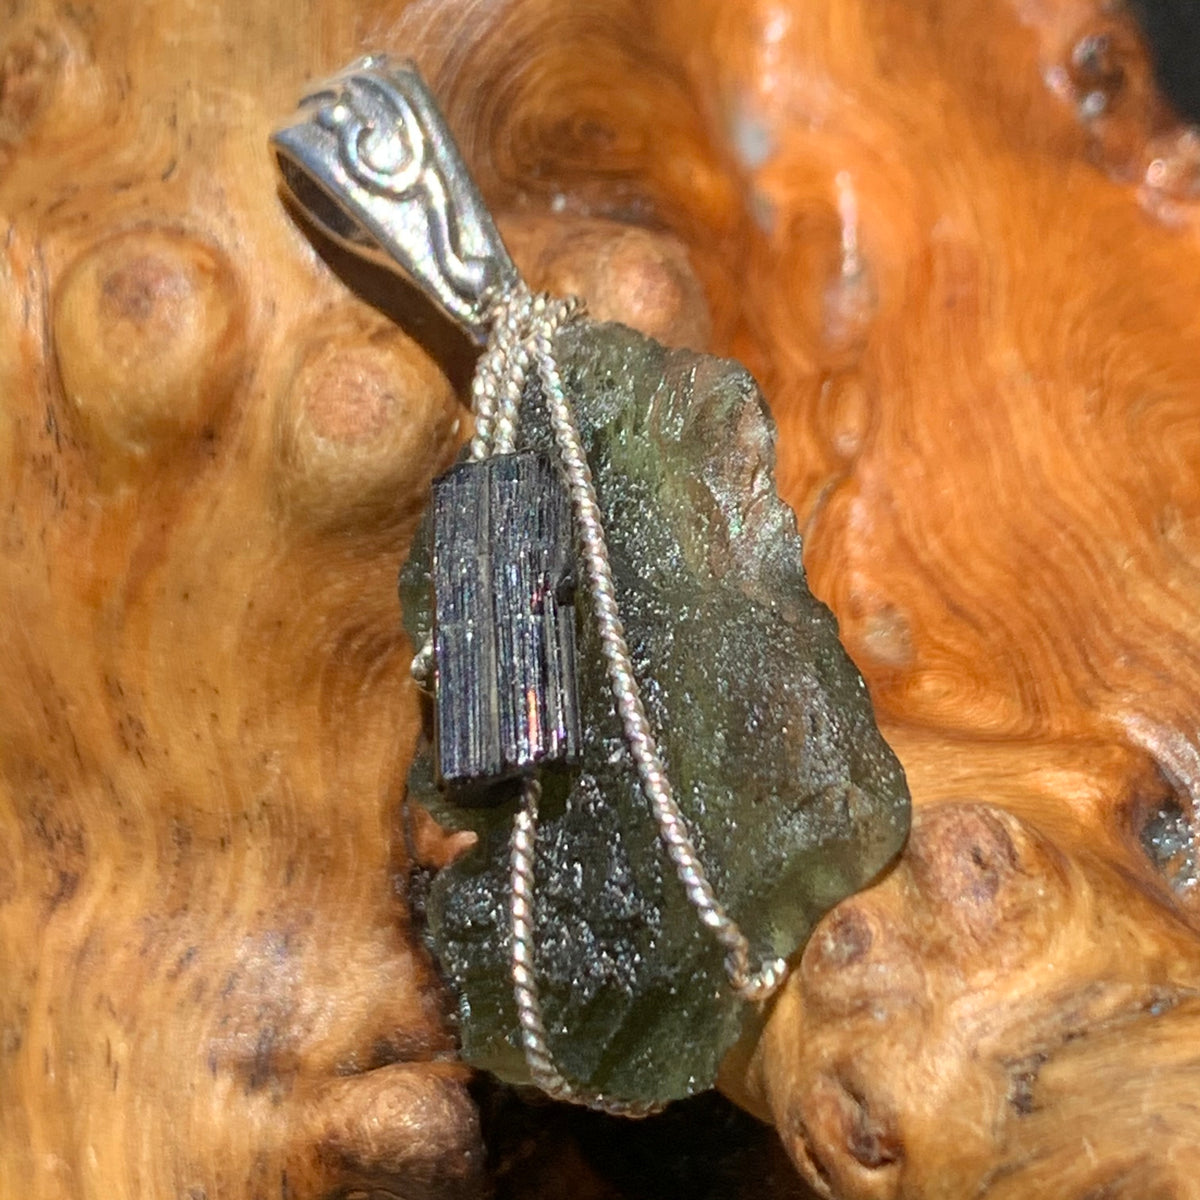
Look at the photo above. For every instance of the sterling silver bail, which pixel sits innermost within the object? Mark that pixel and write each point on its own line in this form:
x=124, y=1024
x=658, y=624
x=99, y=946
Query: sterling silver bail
x=372, y=163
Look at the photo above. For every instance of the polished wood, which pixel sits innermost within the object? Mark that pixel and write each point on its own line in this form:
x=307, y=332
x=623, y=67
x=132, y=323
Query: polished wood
x=956, y=240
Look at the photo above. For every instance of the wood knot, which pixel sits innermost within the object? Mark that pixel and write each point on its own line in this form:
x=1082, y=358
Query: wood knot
x=1103, y=71
x=29, y=70
x=985, y=879
x=1173, y=171
x=847, y=1141
x=637, y=276
x=404, y=1125
x=884, y=635
x=846, y=936
x=965, y=853
x=1097, y=67
x=149, y=334
x=365, y=422
x=1163, y=822
x=859, y=961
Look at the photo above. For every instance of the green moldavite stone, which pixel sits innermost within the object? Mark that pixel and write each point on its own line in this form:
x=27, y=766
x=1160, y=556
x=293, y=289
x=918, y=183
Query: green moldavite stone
x=763, y=722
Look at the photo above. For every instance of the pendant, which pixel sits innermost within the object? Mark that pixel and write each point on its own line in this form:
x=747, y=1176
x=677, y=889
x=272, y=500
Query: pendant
x=670, y=762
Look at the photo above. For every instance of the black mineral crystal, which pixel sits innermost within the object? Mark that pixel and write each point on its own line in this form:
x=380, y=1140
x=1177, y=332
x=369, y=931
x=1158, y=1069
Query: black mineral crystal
x=763, y=723
x=504, y=619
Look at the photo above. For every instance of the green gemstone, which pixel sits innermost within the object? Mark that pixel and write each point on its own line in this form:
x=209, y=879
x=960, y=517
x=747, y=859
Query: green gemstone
x=763, y=722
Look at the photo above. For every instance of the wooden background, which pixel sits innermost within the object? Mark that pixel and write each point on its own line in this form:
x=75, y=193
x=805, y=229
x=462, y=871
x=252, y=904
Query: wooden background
x=957, y=242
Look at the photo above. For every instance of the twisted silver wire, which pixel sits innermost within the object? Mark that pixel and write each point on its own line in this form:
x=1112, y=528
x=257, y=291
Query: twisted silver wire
x=505, y=370
x=496, y=390
x=498, y=368
x=540, y=314
x=421, y=667
x=534, y=1043
x=751, y=983
x=523, y=328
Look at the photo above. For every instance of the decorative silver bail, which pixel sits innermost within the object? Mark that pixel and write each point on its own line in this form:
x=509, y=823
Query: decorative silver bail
x=372, y=162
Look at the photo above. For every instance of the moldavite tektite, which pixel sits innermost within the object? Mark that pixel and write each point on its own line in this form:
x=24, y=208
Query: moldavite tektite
x=763, y=723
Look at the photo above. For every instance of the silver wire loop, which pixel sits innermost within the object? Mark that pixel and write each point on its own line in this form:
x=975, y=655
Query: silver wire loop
x=523, y=336
x=750, y=982
x=538, y=1057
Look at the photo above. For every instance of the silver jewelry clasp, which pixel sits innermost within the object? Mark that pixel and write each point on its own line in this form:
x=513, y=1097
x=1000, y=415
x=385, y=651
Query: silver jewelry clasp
x=373, y=164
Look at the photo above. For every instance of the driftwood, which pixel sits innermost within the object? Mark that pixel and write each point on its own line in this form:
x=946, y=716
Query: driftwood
x=957, y=243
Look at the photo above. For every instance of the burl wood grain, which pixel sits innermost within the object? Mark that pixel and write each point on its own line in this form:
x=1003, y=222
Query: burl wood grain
x=957, y=243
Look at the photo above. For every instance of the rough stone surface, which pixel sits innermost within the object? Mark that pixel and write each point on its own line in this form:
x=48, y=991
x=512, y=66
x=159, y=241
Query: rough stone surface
x=764, y=724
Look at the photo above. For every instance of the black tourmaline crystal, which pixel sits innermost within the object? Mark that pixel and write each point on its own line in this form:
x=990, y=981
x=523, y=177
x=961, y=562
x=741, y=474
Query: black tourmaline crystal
x=504, y=619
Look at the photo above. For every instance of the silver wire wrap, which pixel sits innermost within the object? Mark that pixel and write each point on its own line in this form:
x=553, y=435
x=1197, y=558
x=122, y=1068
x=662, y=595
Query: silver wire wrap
x=523, y=331
x=751, y=983
x=538, y=1058
x=503, y=368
